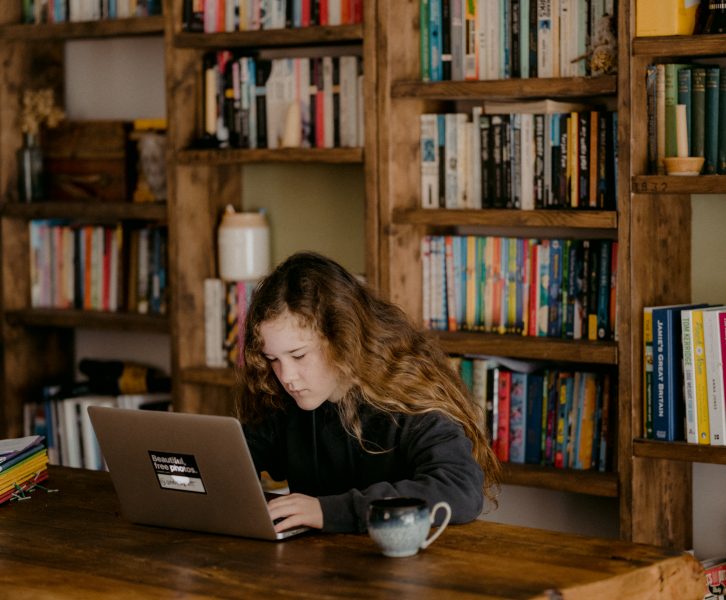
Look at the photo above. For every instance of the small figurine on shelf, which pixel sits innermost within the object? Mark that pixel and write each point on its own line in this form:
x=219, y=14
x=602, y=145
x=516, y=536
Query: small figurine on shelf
x=38, y=110
x=604, y=47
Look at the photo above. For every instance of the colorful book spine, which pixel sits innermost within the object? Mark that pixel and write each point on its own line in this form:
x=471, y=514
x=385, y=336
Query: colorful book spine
x=517, y=417
x=648, y=372
x=711, y=125
x=700, y=379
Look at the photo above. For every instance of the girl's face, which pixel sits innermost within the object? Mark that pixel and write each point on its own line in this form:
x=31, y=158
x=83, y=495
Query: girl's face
x=296, y=355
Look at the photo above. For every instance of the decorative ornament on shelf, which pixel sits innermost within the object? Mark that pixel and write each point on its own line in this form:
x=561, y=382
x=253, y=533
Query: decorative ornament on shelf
x=39, y=110
x=604, y=47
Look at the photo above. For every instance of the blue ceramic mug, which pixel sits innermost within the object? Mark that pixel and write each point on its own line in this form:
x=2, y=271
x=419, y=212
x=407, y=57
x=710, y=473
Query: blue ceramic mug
x=400, y=526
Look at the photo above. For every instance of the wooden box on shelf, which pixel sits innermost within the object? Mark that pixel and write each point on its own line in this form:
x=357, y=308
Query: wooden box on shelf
x=92, y=161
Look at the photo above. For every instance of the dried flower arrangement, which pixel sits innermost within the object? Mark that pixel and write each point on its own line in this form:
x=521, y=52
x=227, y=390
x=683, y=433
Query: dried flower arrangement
x=39, y=109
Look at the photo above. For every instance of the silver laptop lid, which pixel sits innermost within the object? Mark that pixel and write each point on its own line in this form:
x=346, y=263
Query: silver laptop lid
x=183, y=470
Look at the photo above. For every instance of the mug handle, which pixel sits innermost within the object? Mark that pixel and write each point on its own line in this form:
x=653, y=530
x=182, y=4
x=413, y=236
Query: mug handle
x=430, y=540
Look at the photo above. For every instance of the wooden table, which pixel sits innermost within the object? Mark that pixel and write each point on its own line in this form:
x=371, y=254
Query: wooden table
x=74, y=544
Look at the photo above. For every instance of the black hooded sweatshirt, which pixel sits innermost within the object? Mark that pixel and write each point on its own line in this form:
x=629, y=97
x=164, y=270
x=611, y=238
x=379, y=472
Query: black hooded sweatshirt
x=425, y=456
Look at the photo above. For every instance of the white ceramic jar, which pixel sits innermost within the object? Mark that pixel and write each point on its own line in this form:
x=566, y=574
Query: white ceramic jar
x=243, y=244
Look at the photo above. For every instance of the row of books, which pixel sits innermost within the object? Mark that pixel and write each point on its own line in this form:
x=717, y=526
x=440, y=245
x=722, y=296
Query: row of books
x=225, y=310
x=541, y=154
x=64, y=422
x=547, y=288
x=684, y=377
x=62, y=11
x=701, y=89
x=98, y=267
x=23, y=464
x=213, y=16
x=284, y=102
x=542, y=416
x=499, y=39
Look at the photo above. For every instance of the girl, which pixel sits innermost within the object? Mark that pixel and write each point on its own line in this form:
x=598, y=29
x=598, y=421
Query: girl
x=348, y=402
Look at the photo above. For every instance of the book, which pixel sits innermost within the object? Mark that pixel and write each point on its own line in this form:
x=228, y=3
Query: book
x=517, y=417
x=711, y=123
x=11, y=449
x=650, y=92
x=660, y=118
x=684, y=97
x=504, y=387
x=689, y=375
x=698, y=110
x=700, y=376
x=648, y=372
x=671, y=99
x=714, y=329
x=721, y=167
x=668, y=406
x=429, y=162
x=715, y=570
x=565, y=383
x=533, y=419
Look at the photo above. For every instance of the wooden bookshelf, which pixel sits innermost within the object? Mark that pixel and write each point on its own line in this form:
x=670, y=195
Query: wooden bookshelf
x=221, y=377
x=555, y=219
x=679, y=451
x=525, y=347
x=204, y=180
x=272, y=38
x=61, y=32
x=85, y=211
x=679, y=45
x=592, y=483
x=673, y=184
x=232, y=156
x=650, y=489
x=88, y=319
x=559, y=87
x=660, y=207
x=37, y=345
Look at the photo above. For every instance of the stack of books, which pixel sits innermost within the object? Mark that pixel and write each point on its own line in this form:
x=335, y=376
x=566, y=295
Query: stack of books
x=23, y=464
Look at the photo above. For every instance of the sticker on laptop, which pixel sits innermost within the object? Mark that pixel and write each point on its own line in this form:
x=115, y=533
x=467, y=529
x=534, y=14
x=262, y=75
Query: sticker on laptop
x=177, y=472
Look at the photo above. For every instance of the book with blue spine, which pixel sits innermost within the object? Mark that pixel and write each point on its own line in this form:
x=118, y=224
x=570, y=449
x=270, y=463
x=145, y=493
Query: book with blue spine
x=517, y=417
x=435, y=28
x=565, y=383
x=603, y=291
x=534, y=419
x=554, y=326
x=668, y=405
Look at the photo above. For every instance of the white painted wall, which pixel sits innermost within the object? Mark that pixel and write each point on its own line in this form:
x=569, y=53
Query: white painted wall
x=125, y=79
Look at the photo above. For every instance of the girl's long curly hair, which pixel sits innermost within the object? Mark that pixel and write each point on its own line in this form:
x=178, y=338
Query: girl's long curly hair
x=391, y=365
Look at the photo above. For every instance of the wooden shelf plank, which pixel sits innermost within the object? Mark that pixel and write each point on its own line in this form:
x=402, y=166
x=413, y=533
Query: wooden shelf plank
x=680, y=451
x=534, y=348
x=556, y=87
x=679, y=45
x=279, y=155
x=589, y=482
x=223, y=377
x=117, y=211
x=585, y=219
x=88, y=319
x=270, y=38
x=674, y=184
x=84, y=30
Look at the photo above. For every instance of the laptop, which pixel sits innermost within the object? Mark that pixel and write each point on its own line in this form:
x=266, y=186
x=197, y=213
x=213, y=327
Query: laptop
x=185, y=471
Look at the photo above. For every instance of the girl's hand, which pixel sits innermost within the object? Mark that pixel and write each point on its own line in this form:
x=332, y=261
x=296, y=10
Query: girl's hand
x=296, y=510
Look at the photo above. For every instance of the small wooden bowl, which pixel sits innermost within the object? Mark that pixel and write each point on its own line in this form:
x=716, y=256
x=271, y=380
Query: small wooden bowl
x=683, y=165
